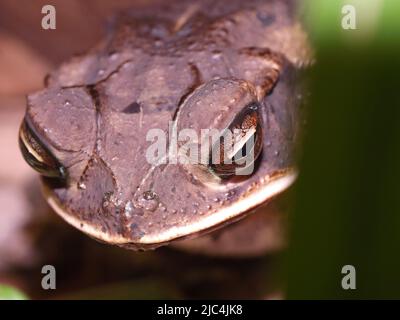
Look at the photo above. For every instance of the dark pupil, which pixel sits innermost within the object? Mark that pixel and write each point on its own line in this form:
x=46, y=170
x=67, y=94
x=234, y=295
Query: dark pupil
x=248, y=146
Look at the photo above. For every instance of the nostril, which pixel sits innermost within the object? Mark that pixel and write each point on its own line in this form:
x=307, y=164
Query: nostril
x=134, y=107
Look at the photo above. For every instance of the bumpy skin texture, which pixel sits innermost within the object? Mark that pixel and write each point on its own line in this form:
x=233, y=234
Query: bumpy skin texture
x=97, y=109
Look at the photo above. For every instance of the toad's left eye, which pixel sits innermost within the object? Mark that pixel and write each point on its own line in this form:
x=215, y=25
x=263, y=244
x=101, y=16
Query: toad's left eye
x=37, y=155
x=240, y=145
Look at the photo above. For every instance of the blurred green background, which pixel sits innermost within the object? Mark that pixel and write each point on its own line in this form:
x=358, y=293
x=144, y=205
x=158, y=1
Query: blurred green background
x=346, y=202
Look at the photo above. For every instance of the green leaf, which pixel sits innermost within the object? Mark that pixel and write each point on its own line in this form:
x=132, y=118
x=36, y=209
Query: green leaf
x=10, y=293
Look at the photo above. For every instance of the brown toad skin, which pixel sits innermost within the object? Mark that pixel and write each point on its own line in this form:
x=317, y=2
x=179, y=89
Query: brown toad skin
x=97, y=109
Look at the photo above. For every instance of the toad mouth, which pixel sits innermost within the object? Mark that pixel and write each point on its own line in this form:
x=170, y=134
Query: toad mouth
x=271, y=187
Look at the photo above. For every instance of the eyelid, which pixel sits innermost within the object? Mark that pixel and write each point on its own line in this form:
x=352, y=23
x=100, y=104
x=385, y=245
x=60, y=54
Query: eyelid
x=37, y=155
x=28, y=144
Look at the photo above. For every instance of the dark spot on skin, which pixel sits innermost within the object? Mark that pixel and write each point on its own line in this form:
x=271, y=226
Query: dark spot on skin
x=134, y=107
x=265, y=18
x=46, y=80
x=95, y=96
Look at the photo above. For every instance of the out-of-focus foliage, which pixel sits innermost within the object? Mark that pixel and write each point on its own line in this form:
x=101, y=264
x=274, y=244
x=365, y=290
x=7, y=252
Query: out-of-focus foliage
x=129, y=290
x=346, y=201
x=10, y=293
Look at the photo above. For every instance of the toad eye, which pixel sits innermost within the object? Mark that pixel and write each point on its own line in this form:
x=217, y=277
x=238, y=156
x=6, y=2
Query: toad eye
x=37, y=155
x=239, y=146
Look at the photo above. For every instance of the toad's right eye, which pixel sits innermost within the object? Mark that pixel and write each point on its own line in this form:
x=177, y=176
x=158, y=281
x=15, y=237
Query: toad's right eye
x=245, y=147
x=37, y=155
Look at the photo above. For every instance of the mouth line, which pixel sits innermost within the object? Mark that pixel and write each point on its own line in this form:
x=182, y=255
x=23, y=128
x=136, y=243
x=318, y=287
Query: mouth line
x=231, y=213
